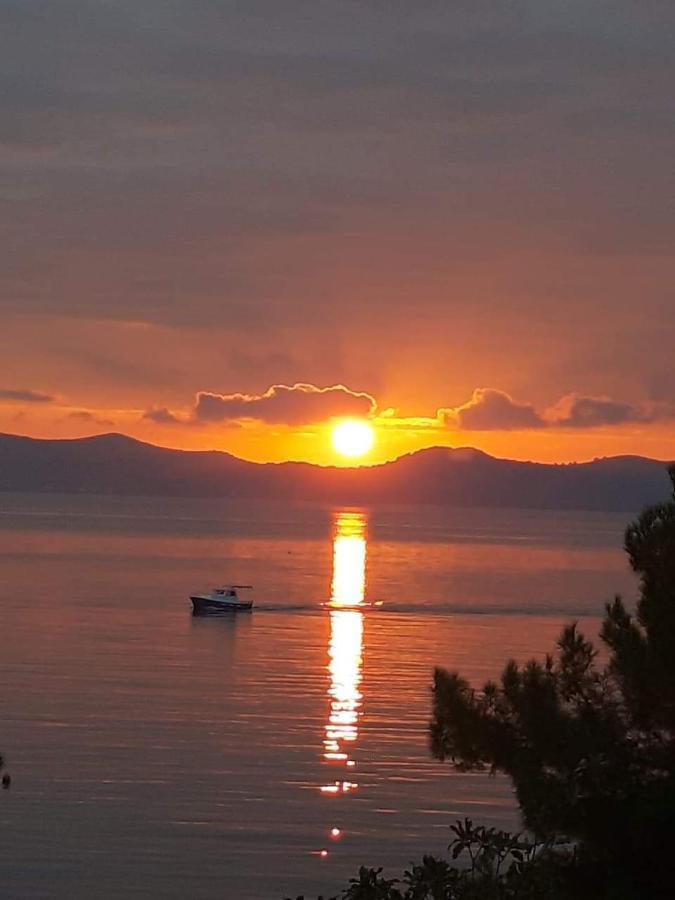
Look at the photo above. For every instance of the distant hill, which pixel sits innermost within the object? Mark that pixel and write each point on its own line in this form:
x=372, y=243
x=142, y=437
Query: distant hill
x=115, y=464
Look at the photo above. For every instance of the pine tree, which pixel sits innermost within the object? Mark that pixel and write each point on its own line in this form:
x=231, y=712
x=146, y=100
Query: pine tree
x=590, y=746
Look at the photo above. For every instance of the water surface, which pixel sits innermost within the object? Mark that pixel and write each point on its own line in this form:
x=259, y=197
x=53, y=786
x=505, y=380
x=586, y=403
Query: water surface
x=159, y=755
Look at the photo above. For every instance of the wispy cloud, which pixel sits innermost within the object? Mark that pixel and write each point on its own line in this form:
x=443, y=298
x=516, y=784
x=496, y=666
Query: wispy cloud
x=25, y=396
x=86, y=415
x=162, y=415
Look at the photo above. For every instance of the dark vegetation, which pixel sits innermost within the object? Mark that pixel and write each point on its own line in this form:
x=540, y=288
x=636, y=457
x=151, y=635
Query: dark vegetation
x=6, y=779
x=493, y=865
x=589, y=746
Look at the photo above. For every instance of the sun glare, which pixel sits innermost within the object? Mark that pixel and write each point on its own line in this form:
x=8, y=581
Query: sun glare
x=353, y=437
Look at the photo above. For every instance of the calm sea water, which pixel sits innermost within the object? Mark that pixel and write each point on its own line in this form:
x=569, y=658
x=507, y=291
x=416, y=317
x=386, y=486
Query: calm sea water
x=158, y=755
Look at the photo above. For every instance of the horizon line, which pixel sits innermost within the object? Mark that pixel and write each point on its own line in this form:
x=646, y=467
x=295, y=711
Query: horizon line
x=362, y=465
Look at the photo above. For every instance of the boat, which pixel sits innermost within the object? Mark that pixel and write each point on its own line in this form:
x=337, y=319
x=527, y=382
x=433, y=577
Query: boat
x=221, y=599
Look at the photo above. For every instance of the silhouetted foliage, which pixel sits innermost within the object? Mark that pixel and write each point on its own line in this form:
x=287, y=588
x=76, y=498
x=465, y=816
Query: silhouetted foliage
x=590, y=747
x=493, y=865
x=6, y=778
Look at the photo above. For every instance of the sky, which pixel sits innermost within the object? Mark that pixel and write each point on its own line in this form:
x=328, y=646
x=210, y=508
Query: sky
x=230, y=224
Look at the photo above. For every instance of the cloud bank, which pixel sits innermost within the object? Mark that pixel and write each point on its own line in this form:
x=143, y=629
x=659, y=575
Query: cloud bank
x=490, y=409
x=297, y=404
x=26, y=396
x=280, y=404
x=575, y=411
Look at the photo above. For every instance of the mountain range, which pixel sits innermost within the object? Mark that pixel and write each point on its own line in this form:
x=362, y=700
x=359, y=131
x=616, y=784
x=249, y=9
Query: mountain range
x=464, y=477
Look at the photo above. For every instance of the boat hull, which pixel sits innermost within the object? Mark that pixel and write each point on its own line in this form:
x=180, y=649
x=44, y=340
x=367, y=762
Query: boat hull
x=203, y=606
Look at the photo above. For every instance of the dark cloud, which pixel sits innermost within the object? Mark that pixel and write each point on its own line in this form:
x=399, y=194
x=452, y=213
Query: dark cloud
x=296, y=404
x=491, y=410
x=26, y=396
x=575, y=411
x=162, y=415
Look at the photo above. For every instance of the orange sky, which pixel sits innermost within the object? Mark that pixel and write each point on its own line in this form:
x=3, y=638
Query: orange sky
x=415, y=201
x=264, y=441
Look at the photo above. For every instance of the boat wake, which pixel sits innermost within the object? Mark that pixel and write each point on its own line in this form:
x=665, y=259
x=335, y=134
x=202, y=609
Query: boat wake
x=386, y=607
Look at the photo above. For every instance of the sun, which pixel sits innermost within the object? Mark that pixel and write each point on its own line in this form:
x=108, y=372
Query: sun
x=353, y=437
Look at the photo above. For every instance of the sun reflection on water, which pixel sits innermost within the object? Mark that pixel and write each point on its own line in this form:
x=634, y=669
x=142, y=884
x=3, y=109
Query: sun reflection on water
x=345, y=648
x=349, y=559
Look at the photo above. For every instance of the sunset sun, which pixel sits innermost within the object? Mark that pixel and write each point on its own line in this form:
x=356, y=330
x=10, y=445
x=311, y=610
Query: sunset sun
x=353, y=437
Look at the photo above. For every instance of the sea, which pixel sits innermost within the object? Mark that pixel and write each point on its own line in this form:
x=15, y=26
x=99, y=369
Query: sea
x=268, y=754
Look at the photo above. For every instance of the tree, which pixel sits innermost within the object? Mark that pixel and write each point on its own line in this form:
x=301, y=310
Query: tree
x=590, y=746
x=493, y=865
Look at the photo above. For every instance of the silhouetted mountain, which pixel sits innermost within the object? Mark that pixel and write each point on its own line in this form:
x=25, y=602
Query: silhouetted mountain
x=115, y=464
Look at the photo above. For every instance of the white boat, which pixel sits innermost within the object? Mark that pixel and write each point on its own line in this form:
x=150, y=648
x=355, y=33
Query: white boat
x=221, y=599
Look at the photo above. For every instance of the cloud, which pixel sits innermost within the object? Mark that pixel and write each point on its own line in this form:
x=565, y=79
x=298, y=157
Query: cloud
x=162, y=416
x=576, y=411
x=26, y=396
x=491, y=410
x=130, y=131
x=297, y=404
x=84, y=415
